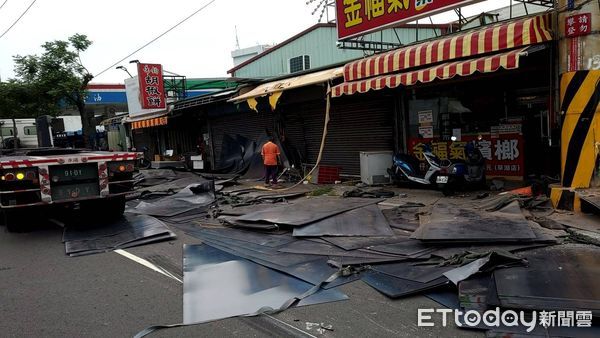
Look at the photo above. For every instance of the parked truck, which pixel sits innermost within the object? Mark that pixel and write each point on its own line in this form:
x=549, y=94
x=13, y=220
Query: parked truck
x=38, y=181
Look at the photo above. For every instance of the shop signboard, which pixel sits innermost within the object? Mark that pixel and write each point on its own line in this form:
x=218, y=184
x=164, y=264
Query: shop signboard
x=578, y=25
x=504, y=154
x=358, y=17
x=425, y=116
x=426, y=131
x=152, y=92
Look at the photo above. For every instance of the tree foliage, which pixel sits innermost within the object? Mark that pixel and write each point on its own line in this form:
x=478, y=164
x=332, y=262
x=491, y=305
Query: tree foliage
x=57, y=78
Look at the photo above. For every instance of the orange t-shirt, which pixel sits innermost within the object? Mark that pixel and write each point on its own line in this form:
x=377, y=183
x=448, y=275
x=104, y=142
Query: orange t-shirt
x=269, y=152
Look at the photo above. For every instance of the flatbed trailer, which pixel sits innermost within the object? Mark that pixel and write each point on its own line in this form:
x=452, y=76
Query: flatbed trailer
x=43, y=179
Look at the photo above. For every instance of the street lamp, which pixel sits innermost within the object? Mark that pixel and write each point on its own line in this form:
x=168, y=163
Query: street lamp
x=124, y=69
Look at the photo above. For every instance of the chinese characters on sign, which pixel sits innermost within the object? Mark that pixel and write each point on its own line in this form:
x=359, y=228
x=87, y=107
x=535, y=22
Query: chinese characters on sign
x=503, y=155
x=356, y=17
x=578, y=25
x=152, y=94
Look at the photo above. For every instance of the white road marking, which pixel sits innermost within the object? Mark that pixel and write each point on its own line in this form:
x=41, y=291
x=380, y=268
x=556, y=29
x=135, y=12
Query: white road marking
x=146, y=264
x=290, y=326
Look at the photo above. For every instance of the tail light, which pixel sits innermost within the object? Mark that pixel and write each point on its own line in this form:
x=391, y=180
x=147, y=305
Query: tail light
x=29, y=175
x=120, y=167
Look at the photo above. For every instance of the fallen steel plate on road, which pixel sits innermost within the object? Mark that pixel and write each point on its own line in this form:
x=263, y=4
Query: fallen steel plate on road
x=413, y=271
x=558, y=277
x=310, y=268
x=218, y=285
x=351, y=243
x=448, y=223
x=408, y=247
x=307, y=211
x=365, y=221
x=396, y=287
x=128, y=231
x=259, y=238
x=189, y=198
x=403, y=217
x=307, y=247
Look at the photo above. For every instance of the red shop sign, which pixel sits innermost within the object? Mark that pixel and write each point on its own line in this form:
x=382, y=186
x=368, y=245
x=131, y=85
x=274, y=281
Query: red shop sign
x=578, y=25
x=357, y=17
x=152, y=90
x=504, y=155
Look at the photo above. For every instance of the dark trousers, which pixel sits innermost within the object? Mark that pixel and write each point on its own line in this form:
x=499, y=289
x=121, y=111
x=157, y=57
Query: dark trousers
x=270, y=173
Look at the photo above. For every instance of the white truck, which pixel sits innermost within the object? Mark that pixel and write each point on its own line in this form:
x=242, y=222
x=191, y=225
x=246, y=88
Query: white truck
x=26, y=132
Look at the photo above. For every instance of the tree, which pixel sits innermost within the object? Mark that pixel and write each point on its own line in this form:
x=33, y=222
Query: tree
x=59, y=77
x=22, y=100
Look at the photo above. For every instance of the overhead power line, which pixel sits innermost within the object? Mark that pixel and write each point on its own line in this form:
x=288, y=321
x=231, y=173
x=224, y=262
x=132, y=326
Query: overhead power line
x=4, y=3
x=156, y=38
x=19, y=18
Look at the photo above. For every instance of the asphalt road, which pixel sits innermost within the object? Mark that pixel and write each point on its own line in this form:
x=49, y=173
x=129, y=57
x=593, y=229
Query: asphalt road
x=45, y=293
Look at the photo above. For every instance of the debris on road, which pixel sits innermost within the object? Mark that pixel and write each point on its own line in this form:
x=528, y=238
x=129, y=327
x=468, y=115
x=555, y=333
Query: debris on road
x=128, y=231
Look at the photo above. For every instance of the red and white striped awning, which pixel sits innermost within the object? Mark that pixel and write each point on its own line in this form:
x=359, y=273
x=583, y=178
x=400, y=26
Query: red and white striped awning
x=492, y=39
x=148, y=123
x=487, y=64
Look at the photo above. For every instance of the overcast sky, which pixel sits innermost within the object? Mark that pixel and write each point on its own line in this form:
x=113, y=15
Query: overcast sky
x=200, y=47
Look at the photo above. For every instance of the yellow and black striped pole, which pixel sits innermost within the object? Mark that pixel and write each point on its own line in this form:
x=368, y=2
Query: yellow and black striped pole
x=580, y=139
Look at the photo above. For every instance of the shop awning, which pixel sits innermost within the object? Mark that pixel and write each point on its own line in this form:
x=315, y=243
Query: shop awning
x=491, y=39
x=290, y=83
x=149, y=120
x=445, y=71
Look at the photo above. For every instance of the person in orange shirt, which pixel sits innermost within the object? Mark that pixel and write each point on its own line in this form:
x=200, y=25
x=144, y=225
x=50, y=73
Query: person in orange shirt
x=270, y=154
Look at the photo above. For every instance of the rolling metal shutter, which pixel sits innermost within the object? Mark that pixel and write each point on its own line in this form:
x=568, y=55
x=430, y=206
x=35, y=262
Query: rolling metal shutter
x=251, y=125
x=359, y=123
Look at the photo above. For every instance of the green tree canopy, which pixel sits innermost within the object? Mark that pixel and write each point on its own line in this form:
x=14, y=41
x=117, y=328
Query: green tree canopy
x=57, y=76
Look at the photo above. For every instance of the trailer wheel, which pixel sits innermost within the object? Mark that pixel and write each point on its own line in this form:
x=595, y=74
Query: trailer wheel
x=115, y=207
x=12, y=219
x=104, y=209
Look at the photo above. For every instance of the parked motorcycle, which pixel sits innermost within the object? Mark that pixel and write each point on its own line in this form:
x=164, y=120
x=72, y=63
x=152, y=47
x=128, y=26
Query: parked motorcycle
x=464, y=174
x=406, y=169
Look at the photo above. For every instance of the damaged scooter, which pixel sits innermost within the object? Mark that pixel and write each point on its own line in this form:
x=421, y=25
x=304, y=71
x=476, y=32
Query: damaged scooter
x=408, y=169
x=469, y=173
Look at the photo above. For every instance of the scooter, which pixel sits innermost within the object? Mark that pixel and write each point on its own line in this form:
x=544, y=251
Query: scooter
x=469, y=173
x=406, y=169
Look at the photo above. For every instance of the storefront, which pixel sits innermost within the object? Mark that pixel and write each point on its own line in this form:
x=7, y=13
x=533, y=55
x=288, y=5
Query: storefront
x=497, y=82
x=293, y=109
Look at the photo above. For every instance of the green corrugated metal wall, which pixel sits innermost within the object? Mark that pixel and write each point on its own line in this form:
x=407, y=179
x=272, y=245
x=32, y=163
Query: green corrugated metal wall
x=320, y=45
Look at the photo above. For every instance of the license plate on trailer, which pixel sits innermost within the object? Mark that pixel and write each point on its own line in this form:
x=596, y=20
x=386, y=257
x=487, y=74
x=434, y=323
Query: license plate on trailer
x=74, y=191
x=441, y=179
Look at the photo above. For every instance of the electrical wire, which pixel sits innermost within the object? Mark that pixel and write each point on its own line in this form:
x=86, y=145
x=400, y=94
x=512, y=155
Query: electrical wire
x=5, y=1
x=19, y=18
x=156, y=38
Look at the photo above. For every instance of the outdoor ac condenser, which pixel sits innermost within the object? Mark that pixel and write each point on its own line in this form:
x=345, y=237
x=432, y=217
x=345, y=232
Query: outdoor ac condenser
x=374, y=165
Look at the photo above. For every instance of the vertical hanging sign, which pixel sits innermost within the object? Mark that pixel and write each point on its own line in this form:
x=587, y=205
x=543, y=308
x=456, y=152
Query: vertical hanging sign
x=152, y=91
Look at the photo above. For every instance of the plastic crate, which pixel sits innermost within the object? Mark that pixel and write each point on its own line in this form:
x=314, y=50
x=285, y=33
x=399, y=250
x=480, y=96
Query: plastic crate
x=328, y=174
